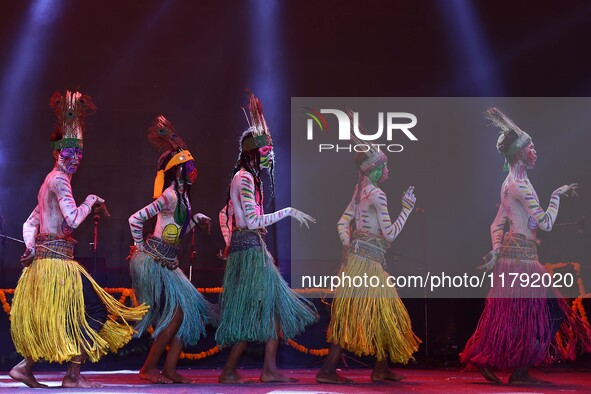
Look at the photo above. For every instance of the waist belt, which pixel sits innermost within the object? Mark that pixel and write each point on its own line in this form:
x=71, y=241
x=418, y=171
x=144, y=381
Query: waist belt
x=50, y=246
x=160, y=250
x=518, y=247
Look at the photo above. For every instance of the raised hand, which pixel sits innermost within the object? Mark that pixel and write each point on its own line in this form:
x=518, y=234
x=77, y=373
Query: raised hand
x=203, y=222
x=409, y=199
x=302, y=218
x=567, y=190
x=99, y=205
x=101, y=208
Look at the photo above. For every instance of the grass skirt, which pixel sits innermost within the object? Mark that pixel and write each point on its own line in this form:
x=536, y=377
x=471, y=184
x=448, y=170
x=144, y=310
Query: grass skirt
x=166, y=291
x=48, y=317
x=518, y=324
x=256, y=299
x=371, y=320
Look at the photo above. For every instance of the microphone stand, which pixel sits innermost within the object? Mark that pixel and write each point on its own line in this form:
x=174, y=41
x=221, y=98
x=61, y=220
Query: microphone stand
x=2, y=252
x=94, y=244
x=580, y=224
x=421, y=213
x=192, y=255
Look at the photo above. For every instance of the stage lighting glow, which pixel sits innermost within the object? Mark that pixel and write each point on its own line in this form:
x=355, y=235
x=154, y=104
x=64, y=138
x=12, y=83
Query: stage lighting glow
x=473, y=56
x=28, y=52
x=22, y=71
x=267, y=81
x=265, y=33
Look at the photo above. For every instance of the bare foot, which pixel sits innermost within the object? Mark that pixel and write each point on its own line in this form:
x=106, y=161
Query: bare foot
x=489, y=375
x=386, y=374
x=154, y=376
x=520, y=377
x=79, y=381
x=176, y=377
x=268, y=377
x=323, y=377
x=24, y=375
x=231, y=376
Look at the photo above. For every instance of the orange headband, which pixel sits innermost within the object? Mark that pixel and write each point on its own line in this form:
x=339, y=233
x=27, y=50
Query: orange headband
x=179, y=158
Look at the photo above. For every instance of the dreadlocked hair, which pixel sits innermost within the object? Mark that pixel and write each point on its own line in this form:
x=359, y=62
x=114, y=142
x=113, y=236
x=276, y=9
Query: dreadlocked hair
x=244, y=161
x=170, y=178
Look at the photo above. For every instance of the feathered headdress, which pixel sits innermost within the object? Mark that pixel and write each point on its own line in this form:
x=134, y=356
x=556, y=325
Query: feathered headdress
x=70, y=110
x=163, y=136
x=375, y=157
x=258, y=126
x=511, y=139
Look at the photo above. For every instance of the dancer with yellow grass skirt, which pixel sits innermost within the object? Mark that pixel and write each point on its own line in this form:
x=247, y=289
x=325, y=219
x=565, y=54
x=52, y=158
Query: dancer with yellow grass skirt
x=369, y=320
x=59, y=313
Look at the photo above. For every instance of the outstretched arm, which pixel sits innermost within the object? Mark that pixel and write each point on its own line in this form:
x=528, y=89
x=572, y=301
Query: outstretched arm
x=391, y=230
x=526, y=196
x=72, y=214
x=254, y=220
x=137, y=220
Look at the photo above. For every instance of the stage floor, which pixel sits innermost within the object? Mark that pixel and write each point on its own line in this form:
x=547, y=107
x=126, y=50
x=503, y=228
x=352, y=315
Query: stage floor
x=417, y=381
